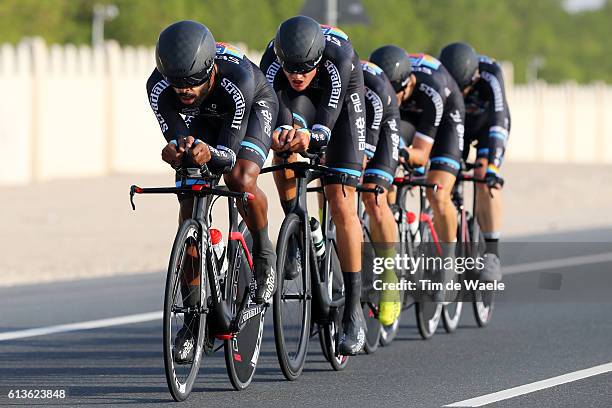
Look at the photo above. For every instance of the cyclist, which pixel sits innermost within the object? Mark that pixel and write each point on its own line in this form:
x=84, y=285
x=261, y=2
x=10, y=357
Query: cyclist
x=432, y=113
x=316, y=74
x=487, y=120
x=381, y=150
x=209, y=98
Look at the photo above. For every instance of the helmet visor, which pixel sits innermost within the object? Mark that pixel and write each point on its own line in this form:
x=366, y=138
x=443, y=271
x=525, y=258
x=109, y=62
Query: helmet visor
x=191, y=81
x=300, y=67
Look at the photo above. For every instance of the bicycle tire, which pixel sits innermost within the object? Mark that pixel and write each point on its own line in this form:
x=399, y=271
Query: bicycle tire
x=291, y=361
x=427, y=312
x=483, y=303
x=242, y=351
x=180, y=390
x=451, y=313
x=369, y=296
x=332, y=327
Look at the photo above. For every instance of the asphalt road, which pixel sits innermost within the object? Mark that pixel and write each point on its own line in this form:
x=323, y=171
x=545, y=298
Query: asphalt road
x=530, y=339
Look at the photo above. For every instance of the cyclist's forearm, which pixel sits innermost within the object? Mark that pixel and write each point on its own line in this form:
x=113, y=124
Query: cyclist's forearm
x=497, y=145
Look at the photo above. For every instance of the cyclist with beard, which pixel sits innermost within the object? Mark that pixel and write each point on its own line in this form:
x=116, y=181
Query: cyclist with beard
x=209, y=98
x=318, y=79
x=432, y=113
x=487, y=122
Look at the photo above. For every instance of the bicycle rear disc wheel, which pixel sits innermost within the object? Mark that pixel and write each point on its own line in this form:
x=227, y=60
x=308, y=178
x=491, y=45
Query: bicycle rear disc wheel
x=181, y=377
x=374, y=328
x=242, y=351
x=292, y=301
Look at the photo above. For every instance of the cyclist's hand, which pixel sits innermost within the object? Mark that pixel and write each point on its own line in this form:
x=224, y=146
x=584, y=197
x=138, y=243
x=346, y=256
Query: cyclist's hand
x=200, y=153
x=494, y=180
x=171, y=155
x=404, y=156
x=279, y=136
x=298, y=141
x=185, y=143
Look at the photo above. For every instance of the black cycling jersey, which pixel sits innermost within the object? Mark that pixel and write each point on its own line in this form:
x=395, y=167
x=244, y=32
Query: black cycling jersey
x=383, y=121
x=487, y=116
x=241, y=103
x=435, y=112
x=336, y=93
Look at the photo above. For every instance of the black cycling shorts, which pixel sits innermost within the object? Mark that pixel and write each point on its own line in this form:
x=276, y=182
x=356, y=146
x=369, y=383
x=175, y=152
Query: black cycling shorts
x=447, y=147
x=344, y=152
x=477, y=130
x=381, y=167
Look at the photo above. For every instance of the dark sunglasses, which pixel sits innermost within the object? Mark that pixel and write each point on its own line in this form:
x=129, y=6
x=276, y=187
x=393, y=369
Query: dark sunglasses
x=300, y=67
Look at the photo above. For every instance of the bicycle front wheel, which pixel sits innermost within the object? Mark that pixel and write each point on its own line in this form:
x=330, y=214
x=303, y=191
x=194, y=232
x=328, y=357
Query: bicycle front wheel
x=183, y=311
x=242, y=351
x=331, y=329
x=427, y=311
x=292, y=300
x=483, y=300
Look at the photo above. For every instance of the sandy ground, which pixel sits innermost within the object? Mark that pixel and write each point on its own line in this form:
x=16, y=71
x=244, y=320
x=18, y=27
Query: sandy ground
x=85, y=228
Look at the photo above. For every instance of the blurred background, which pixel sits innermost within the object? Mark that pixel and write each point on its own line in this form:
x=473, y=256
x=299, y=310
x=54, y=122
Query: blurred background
x=76, y=129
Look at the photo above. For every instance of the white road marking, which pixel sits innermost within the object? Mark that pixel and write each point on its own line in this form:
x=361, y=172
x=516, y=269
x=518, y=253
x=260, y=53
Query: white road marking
x=532, y=387
x=92, y=324
x=557, y=263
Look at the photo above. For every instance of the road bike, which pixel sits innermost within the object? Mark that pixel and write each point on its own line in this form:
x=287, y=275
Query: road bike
x=218, y=304
x=470, y=233
x=312, y=301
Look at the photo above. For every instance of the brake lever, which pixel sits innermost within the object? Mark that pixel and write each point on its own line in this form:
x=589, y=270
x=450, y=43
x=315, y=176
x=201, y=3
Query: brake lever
x=133, y=190
x=377, y=190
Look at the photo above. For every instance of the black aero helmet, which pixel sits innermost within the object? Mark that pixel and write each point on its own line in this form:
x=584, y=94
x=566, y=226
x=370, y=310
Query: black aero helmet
x=185, y=54
x=461, y=61
x=299, y=44
x=395, y=62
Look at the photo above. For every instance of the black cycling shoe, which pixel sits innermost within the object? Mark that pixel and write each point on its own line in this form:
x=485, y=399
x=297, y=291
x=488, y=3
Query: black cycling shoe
x=264, y=284
x=184, y=346
x=352, y=340
x=293, y=262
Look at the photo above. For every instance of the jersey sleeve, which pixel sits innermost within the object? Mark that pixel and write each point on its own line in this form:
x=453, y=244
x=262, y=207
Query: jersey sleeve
x=374, y=115
x=432, y=104
x=160, y=95
x=337, y=70
x=498, y=116
x=239, y=94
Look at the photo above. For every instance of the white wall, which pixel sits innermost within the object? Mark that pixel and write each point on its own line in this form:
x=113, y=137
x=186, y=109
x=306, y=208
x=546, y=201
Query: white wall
x=72, y=111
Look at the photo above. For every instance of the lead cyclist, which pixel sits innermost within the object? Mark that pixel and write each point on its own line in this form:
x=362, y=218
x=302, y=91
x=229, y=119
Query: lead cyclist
x=209, y=98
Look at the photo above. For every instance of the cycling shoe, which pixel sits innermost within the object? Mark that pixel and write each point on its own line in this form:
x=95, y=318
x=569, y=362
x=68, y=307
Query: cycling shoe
x=352, y=339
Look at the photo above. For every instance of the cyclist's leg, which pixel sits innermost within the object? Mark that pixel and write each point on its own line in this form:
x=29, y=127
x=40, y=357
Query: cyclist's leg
x=345, y=154
x=383, y=228
x=489, y=212
x=243, y=178
x=445, y=165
